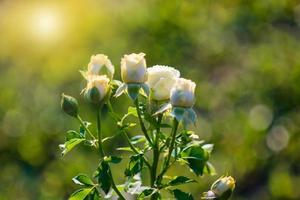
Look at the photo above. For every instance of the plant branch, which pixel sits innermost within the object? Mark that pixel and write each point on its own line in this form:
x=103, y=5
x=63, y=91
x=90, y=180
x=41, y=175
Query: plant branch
x=102, y=154
x=85, y=127
x=171, y=148
x=136, y=102
x=156, y=150
x=135, y=150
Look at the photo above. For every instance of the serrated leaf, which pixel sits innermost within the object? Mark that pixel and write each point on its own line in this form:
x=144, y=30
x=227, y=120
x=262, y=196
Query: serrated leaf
x=113, y=159
x=196, y=157
x=81, y=194
x=69, y=145
x=178, y=180
x=179, y=195
x=103, y=176
x=82, y=179
x=135, y=165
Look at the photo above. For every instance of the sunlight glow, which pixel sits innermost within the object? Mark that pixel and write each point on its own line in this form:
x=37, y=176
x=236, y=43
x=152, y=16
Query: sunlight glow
x=46, y=24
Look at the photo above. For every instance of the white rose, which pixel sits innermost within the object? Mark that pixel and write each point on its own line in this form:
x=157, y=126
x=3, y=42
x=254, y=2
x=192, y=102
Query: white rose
x=97, y=88
x=133, y=68
x=99, y=64
x=182, y=93
x=222, y=185
x=161, y=80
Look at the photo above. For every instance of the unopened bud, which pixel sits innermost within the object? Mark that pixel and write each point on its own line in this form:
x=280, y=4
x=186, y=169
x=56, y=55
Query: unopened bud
x=223, y=187
x=69, y=105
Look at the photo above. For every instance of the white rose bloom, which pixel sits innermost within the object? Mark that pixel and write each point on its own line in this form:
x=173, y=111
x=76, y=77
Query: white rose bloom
x=101, y=83
x=182, y=93
x=133, y=68
x=97, y=62
x=161, y=80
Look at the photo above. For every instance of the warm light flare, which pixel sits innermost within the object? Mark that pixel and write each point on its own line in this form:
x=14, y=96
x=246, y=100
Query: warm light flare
x=46, y=24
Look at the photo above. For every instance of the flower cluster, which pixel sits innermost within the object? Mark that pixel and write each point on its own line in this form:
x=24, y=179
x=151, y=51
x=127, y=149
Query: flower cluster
x=159, y=95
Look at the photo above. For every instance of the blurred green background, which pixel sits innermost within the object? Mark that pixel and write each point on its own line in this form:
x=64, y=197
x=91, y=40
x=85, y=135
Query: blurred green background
x=243, y=55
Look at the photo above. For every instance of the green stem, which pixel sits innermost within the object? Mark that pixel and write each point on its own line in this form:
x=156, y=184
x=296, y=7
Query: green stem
x=156, y=151
x=171, y=148
x=102, y=154
x=136, y=102
x=100, y=144
x=85, y=127
x=117, y=118
x=135, y=150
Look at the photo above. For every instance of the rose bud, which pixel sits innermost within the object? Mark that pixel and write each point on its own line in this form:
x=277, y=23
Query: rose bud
x=223, y=187
x=182, y=93
x=69, y=105
x=133, y=68
x=99, y=65
x=161, y=80
x=97, y=88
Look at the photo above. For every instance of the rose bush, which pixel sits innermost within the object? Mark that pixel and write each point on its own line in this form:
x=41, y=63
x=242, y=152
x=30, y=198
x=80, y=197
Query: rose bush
x=174, y=99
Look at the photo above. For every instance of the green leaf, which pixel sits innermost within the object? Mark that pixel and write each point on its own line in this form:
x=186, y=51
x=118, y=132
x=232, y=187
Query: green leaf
x=137, y=139
x=196, y=157
x=124, y=149
x=69, y=145
x=135, y=165
x=82, y=179
x=103, y=176
x=122, y=88
x=82, y=129
x=146, y=192
x=178, y=180
x=81, y=194
x=179, y=195
x=133, y=90
x=72, y=134
x=165, y=126
x=94, y=195
x=132, y=111
x=113, y=159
